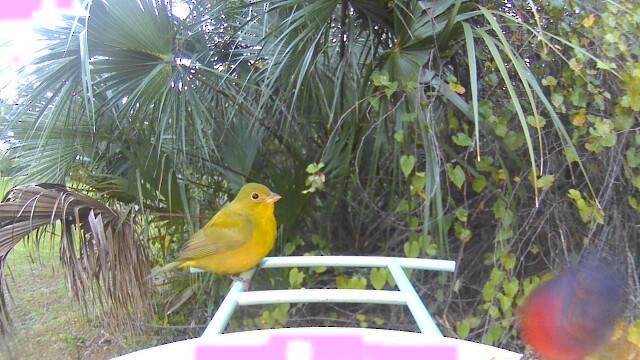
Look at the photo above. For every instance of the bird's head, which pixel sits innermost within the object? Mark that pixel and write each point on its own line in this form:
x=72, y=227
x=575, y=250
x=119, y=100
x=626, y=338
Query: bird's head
x=256, y=199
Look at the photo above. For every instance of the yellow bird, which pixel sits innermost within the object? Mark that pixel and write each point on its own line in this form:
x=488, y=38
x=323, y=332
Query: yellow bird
x=237, y=238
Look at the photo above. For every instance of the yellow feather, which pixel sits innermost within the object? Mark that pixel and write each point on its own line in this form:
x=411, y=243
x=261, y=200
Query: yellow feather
x=238, y=237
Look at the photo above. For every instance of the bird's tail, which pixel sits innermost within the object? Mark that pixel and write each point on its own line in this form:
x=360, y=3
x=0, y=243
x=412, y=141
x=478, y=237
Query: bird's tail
x=162, y=269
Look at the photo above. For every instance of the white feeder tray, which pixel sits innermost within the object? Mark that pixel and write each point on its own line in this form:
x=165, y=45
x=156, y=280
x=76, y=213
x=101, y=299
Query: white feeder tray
x=328, y=343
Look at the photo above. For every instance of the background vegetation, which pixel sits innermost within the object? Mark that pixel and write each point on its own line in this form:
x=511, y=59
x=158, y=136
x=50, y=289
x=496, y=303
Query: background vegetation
x=502, y=135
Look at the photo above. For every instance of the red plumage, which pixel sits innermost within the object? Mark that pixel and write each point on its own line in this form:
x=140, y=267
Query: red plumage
x=572, y=315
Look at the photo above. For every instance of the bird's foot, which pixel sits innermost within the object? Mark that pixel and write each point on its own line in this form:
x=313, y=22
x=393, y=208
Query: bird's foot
x=529, y=355
x=241, y=280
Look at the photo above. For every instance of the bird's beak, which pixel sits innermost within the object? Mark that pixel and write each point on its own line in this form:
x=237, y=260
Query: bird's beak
x=273, y=197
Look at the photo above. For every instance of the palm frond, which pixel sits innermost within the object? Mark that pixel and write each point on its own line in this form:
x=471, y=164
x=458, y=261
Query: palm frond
x=100, y=249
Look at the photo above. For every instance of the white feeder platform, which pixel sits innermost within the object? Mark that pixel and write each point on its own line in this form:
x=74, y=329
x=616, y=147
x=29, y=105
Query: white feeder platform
x=328, y=343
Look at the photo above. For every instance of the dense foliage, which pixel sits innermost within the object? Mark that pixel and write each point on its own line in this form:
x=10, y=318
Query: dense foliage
x=500, y=135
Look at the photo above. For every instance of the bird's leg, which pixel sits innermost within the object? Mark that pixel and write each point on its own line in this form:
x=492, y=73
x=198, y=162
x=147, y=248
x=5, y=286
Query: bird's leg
x=241, y=280
x=245, y=277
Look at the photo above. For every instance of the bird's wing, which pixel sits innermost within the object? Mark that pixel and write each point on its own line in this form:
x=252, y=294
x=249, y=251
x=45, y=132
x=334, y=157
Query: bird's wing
x=221, y=234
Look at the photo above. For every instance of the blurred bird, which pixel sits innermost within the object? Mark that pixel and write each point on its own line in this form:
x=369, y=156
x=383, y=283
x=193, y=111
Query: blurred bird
x=237, y=238
x=574, y=314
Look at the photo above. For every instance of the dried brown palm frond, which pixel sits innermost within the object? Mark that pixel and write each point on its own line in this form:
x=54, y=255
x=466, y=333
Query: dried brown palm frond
x=105, y=262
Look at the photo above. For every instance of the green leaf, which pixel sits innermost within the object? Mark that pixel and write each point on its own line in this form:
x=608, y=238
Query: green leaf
x=265, y=321
x=463, y=329
x=505, y=302
x=418, y=181
x=462, y=232
x=537, y=122
x=495, y=333
x=375, y=103
x=514, y=140
x=462, y=214
x=557, y=4
x=378, y=278
x=390, y=89
x=609, y=140
x=479, y=183
x=319, y=269
x=362, y=320
x=289, y=248
x=454, y=124
x=489, y=293
x=405, y=206
x=295, y=278
x=412, y=249
x=505, y=233
x=497, y=276
x=632, y=85
x=530, y=284
x=485, y=164
x=408, y=117
x=511, y=288
x=500, y=129
x=557, y=99
x=633, y=157
x=391, y=280
x=462, y=139
x=342, y=282
x=406, y=164
x=281, y=313
x=399, y=136
x=508, y=260
x=358, y=283
x=431, y=249
x=574, y=194
x=578, y=97
x=499, y=209
x=571, y=155
x=314, y=168
x=355, y=282
x=549, y=81
x=494, y=312
x=545, y=182
x=605, y=66
x=380, y=79
x=456, y=174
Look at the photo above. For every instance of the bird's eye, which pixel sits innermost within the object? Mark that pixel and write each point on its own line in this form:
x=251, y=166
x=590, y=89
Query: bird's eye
x=255, y=196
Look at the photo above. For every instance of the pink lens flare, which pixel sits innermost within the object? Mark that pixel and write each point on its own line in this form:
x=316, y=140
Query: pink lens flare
x=24, y=9
x=325, y=348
